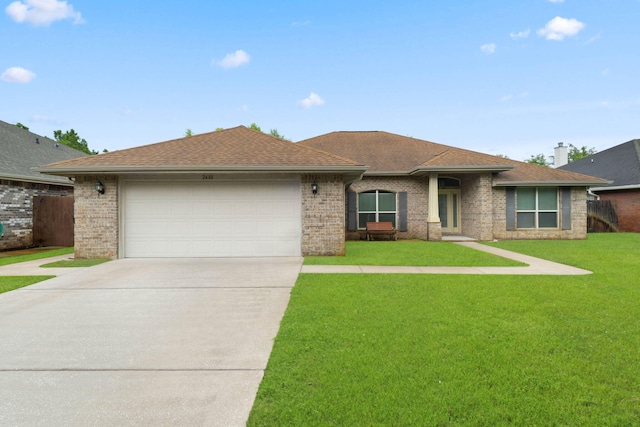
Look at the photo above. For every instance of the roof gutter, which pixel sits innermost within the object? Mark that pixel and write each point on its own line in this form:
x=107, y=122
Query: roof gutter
x=617, y=187
x=36, y=180
x=446, y=169
x=117, y=170
x=461, y=169
x=546, y=183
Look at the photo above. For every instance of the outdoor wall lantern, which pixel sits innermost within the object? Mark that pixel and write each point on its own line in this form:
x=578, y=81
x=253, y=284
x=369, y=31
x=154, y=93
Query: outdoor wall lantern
x=314, y=188
x=99, y=187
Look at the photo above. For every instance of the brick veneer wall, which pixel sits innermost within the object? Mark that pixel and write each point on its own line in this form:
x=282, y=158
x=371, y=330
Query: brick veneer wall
x=417, y=202
x=476, y=206
x=16, y=210
x=578, y=219
x=323, y=220
x=627, y=203
x=96, y=226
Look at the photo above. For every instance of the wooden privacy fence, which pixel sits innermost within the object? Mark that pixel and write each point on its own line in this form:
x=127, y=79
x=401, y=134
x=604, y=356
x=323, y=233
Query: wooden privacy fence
x=601, y=216
x=53, y=221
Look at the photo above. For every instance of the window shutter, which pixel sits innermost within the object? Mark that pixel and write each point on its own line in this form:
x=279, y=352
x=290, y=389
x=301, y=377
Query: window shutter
x=352, y=211
x=566, y=208
x=510, y=193
x=402, y=211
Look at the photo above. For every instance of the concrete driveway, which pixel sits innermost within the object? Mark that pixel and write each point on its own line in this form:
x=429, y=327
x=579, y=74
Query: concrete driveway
x=142, y=342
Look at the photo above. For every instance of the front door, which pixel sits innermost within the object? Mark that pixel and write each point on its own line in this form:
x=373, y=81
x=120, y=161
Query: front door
x=449, y=210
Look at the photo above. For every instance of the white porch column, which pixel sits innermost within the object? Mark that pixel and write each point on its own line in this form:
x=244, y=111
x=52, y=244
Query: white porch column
x=434, y=211
x=434, y=227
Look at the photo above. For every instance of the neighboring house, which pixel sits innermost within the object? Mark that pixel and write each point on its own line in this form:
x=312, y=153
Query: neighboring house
x=621, y=166
x=20, y=152
x=238, y=192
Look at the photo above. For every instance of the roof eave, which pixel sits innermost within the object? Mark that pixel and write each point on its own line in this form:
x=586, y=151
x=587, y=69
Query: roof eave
x=35, y=180
x=422, y=170
x=117, y=170
x=461, y=169
x=617, y=187
x=386, y=173
x=546, y=183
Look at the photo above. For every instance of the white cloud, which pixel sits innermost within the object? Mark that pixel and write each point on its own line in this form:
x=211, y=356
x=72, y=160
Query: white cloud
x=511, y=96
x=243, y=108
x=300, y=23
x=17, y=75
x=488, y=48
x=313, y=100
x=520, y=34
x=45, y=119
x=235, y=59
x=559, y=28
x=556, y=1
x=594, y=38
x=42, y=12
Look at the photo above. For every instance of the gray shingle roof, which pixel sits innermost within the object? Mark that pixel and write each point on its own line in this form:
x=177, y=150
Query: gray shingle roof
x=620, y=164
x=19, y=153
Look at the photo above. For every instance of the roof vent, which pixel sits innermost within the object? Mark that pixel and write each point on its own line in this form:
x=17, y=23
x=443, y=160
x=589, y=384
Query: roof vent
x=57, y=145
x=37, y=141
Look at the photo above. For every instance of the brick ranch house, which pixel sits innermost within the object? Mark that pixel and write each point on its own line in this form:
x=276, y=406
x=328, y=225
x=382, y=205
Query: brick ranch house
x=20, y=152
x=238, y=192
x=621, y=166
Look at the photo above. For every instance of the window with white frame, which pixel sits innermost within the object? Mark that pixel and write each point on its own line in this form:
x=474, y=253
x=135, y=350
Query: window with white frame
x=376, y=206
x=537, y=207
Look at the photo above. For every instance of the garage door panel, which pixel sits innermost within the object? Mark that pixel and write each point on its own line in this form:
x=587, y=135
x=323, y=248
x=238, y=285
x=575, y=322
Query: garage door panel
x=245, y=208
x=202, y=209
x=212, y=219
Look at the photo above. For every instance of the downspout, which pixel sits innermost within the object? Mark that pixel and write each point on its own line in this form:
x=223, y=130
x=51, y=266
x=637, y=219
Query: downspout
x=591, y=193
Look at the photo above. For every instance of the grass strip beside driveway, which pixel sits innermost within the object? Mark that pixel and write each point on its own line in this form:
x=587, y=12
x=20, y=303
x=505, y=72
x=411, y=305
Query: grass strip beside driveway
x=75, y=263
x=411, y=253
x=399, y=349
x=7, y=258
x=9, y=283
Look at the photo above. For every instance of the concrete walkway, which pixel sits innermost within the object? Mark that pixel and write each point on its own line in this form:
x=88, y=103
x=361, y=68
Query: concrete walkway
x=534, y=266
x=157, y=342
x=32, y=268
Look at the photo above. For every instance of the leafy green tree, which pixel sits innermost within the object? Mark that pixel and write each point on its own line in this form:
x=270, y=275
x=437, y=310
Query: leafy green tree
x=576, y=153
x=274, y=132
x=73, y=140
x=254, y=126
x=188, y=132
x=20, y=125
x=539, y=159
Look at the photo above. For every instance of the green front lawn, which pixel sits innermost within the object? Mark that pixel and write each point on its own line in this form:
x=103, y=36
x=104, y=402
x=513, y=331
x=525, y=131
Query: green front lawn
x=9, y=283
x=363, y=350
x=75, y=263
x=411, y=253
x=7, y=258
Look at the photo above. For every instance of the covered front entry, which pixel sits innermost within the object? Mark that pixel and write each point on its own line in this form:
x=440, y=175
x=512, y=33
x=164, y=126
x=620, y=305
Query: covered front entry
x=210, y=218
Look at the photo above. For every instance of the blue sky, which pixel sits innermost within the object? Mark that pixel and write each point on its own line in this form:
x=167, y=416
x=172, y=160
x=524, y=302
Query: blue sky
x=500, y=77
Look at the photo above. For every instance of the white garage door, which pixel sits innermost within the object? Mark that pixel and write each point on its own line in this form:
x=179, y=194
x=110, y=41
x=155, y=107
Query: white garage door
x=212, y=219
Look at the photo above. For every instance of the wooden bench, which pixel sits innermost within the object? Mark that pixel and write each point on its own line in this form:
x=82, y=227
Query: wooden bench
x=381, y=229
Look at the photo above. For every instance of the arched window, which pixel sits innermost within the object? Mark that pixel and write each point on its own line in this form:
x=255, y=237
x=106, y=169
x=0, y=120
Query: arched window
x=376, y=206
x=447, y=182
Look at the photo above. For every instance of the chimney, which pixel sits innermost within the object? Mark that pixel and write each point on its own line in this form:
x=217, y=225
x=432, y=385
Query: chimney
x=561, y=155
